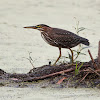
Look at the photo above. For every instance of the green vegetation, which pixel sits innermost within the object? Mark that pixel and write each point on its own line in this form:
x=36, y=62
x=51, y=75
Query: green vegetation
x=78, y=30
x=77, y=68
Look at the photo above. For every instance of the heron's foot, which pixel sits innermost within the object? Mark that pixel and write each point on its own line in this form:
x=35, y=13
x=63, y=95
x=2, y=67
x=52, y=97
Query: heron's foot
x=32, y=70
x=54, y=64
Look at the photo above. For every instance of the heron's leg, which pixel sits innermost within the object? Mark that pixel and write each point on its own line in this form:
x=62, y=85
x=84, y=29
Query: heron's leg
x=58, y=57
x=72, y=55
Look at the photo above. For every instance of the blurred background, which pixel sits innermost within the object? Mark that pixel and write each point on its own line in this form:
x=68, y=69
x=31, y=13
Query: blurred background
x=16, y=42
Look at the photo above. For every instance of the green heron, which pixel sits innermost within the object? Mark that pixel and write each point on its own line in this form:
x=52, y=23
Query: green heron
x=59, y=38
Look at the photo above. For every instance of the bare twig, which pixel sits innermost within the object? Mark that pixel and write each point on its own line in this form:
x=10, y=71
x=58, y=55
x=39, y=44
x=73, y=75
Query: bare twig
x=99, y=56
x=84, y=77
x=61, y=80
x=31, y=62
x=88, y=70
x=92, y=59
x=91, y=56
x=30, y=59
x=94, y=71
x=98, y=70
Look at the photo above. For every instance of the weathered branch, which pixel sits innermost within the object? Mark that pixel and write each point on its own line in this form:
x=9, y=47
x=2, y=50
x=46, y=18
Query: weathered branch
x=94, y=71
x=99, y=56
x=91, y=56
x=49, y=75
x=84, y=77
x=92, y=59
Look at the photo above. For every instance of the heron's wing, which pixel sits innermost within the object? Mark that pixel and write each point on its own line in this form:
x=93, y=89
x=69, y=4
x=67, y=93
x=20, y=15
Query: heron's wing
x=66, y=38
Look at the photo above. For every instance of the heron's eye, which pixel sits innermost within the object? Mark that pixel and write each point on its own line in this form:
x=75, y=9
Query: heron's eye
x=38, y=26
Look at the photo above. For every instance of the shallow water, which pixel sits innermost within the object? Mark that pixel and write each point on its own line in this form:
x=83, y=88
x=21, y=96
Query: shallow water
x=49, y=93
x=16, y=42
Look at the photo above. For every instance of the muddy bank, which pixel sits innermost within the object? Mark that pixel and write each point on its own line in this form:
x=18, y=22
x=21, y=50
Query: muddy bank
x=78, y=74
x=62, y=75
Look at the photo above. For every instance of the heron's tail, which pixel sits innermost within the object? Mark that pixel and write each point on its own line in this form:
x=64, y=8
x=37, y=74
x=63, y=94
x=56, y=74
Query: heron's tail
x=85, y=41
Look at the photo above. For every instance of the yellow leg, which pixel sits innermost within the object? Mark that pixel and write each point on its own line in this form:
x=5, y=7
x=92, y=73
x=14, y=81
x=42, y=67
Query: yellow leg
x=72, y=55
x=58, y=57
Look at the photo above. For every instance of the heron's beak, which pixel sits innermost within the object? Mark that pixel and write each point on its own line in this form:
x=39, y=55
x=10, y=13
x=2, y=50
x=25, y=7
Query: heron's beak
x=32, y=27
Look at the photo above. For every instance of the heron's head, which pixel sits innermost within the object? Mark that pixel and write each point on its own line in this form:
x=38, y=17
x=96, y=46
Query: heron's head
x=40, y=27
